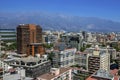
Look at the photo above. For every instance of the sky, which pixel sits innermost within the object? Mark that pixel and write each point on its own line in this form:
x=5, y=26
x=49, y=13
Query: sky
x=106, y=9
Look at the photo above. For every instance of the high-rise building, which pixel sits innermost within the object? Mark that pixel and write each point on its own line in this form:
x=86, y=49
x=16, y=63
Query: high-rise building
x=81, y=59
x=73, y=40
x=105, y=61
x=63, y=56
x=93, y=64
x=99, y=60
x=29, y=39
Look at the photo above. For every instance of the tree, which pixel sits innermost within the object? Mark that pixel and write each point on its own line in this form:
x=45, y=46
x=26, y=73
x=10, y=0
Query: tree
x=13, y=46
x=48, y=45
x=82, y=49
x=88, y=46
x=50, y=57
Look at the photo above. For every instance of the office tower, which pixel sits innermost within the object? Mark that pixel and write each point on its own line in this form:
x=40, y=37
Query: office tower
x=29, y=39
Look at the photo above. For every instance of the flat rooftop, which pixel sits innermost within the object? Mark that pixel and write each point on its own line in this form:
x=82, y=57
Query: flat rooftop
x=49, y=76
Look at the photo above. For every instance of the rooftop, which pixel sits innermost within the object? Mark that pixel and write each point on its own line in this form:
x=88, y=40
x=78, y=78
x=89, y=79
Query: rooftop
x=30, y=59
x=49, y=76
x=103, y=74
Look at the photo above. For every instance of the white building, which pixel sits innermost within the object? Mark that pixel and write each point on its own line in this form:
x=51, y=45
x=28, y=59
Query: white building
x=64, y=58
x=105, y=61
x=4, y=65
x=18, y=74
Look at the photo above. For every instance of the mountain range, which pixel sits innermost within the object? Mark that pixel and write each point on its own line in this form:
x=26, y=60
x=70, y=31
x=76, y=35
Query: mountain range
x=51, y=21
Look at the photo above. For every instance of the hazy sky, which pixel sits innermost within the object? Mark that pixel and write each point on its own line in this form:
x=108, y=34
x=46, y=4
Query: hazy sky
x=108, y=9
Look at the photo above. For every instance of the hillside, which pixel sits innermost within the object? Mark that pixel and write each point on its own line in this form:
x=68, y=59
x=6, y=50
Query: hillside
x=58, y=22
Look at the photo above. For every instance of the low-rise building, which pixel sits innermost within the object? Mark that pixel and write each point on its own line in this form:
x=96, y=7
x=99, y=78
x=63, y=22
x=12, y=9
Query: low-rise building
x=79, y=73
x=4, y=65
x=16, y=74
x=8, y=34
x=101, y=75
x=57, y=74
x=34, y=66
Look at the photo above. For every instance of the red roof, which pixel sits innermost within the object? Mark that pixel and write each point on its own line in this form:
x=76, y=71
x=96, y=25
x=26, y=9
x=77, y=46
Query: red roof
x=90, y=78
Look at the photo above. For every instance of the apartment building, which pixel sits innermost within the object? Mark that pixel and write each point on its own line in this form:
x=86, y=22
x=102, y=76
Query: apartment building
x=73, y=40
x=98, y=60
x=64, y=58
x=93, y=64
x=110, y=50
x=81, y=59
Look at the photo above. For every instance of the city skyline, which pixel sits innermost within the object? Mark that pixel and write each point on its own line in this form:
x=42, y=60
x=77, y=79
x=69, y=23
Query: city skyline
x=59, y=40
x=107, y=9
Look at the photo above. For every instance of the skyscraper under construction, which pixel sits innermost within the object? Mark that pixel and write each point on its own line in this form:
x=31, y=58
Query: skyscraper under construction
x=29, y=39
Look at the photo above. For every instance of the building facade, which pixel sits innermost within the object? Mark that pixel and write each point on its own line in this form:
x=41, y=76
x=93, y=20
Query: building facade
x=105, y=61
x=8, y=34
x=81, y=59
x=73, y=40
x=98, y=60
x=93, y=64
x=29, y=39
x=64, y=58
x=4, y=65
x=7, y=37
x=34, y=66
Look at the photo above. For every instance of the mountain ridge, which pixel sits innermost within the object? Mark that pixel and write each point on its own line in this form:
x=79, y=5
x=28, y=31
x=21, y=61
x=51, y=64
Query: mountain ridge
x=58, y=22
